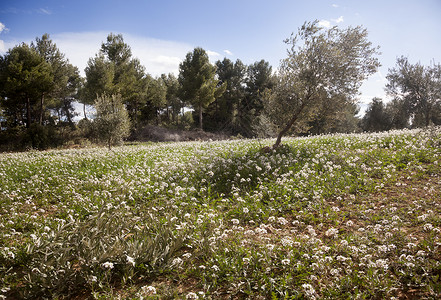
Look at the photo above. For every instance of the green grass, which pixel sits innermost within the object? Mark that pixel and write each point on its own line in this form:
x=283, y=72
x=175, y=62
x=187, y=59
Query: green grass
x=341, y=216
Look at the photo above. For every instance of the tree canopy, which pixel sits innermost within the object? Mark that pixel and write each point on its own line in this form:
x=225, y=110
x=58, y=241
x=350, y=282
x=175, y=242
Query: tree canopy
x=199, y=85
x=25, y=77
x=418, y=88
x=313, y=91
x=323, y=66
x=112, y=123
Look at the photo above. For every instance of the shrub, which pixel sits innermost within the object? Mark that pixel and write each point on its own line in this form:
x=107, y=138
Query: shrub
x=112, y=123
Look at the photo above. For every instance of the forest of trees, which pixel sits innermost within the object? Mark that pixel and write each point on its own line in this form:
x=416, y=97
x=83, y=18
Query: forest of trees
x=315, y=89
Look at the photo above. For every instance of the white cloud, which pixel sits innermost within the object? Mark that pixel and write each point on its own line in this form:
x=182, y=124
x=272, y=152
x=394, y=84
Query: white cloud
x=325, y=23
x=5, y=46
x=158, y=56
x=228, y=52
x=167, y=61
x=3, y=28
x=328, y=24
x=335, y=5
x=79, y=47
x=2, y=43
x=44, y=11
x=339, y=20
x=213, y=54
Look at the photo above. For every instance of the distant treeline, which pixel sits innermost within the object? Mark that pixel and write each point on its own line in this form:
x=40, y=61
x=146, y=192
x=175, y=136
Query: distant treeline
x=39, y=87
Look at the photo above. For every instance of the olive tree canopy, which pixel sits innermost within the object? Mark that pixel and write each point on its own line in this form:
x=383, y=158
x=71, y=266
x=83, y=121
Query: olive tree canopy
x=323, y=65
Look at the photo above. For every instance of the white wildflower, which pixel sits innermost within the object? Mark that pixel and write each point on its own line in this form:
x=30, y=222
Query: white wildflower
x=287, y=241
x=149, y=290
x=396, y=218
x=192, y=295
x=108, y=265
x=261, y=230
x=422, y=217
x=131, y=260
x=334, y=272
x=331, y=232
x=282, y=221
x=285, y=261
x=382, y=263
x=428, y=227
x=177, y=262
x=309, y=291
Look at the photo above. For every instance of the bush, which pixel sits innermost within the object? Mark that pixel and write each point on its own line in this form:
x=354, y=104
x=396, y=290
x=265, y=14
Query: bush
x=41, y=137
x=112, y=123
x=89, y=254
x=11, y=139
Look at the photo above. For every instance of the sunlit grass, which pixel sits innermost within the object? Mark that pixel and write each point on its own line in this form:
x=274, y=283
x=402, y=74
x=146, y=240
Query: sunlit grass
x=340, y=216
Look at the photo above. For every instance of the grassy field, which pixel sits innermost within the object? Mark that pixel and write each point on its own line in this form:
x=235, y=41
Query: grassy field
x=328, y=217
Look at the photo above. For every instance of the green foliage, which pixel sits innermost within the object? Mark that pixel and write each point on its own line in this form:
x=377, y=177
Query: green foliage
x=114, y=71
x=174, y=103
x=259, y=80
x=312, y=93
x=112, y=123
x=66, y=80
x=92, y=253
x=41, y=137
x=37, y=86
x=24, y=79
x=199, y=86
x=323, y=66
x=222, y=114
x=376, y=118
x=99, y=78
x=418, y=88
x=336, y=216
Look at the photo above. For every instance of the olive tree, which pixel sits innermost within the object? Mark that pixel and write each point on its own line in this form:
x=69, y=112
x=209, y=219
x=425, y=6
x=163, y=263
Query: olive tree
x=322, y=66
x=418, y=88
x=112, y=123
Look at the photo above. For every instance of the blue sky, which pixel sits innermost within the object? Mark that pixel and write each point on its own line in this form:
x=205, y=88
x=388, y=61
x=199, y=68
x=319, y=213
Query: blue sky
x=160, y=33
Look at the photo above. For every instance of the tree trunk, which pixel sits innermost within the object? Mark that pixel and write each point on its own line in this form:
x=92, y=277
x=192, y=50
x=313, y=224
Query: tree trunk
x=427, y=115
x=288, y=126
x=200, y=116
x=28, y=112
x=41, y=109
x=84, y=110
x=284, y=131
x=68, y=115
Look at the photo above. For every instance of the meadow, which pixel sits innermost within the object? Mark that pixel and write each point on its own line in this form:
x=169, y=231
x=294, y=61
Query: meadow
x=354, y=216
